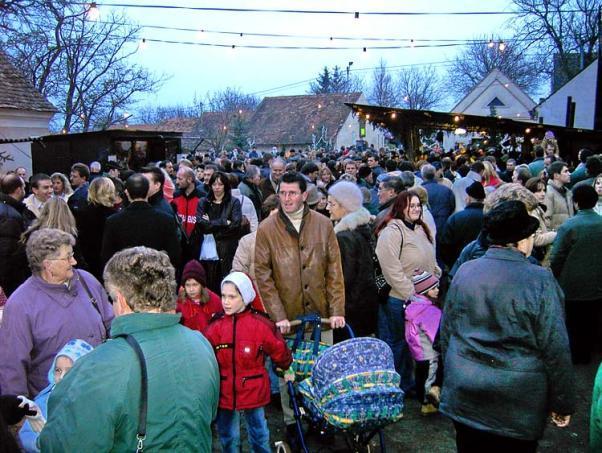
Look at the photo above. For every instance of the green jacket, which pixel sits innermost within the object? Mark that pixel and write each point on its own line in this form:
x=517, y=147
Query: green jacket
x=95, y=408
x=576, y=257
x=595, y=419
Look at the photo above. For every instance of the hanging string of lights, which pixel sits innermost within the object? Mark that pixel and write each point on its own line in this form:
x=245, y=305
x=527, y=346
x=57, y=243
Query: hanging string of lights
x=355, y=14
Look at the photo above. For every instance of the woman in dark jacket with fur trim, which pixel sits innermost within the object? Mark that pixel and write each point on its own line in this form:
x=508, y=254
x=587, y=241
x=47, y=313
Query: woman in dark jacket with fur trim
x=354, y=235
x=218, y=215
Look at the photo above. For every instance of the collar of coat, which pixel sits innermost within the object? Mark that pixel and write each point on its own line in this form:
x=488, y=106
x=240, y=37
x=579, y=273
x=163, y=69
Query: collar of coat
x=289, y=225
x=352, y=220
x=560, y=189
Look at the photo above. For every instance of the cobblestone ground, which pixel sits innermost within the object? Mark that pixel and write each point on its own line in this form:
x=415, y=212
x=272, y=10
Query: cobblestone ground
x=415, y=433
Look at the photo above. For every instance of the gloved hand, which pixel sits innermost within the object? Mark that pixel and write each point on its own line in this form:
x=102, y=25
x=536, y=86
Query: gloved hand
x=34, y=415
x=11, y=411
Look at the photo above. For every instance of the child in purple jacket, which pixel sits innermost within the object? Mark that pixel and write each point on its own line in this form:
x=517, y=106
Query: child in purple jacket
x=422, y=318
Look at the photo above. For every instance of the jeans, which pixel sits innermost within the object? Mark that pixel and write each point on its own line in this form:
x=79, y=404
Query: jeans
x=391, y=329
x=228, y=428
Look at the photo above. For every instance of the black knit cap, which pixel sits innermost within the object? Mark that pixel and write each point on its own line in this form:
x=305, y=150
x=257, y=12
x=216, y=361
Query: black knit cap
x=509, y=222
x=476, y=191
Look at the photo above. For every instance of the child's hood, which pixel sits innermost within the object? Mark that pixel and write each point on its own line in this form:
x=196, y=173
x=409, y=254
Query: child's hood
x=74, y=349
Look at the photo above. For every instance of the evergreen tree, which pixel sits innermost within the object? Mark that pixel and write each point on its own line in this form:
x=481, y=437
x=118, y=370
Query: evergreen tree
x=322, y=83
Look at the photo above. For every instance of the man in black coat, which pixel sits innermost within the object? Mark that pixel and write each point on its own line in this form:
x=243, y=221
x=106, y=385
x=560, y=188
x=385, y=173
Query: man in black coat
x=13, y=222
x=463, y=226
x=140, y=224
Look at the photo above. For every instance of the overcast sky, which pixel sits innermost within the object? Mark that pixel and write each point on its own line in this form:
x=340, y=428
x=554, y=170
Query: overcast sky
x=197, y=69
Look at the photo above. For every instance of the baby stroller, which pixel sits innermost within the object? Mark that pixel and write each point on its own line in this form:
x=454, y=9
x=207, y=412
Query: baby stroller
x=349, y=388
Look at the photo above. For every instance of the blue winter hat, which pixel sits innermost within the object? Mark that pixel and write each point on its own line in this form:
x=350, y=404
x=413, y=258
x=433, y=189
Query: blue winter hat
x=74, y=349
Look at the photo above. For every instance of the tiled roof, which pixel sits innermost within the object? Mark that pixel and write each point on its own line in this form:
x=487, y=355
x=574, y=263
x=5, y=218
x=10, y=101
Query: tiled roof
x=17, y=93
x=184, y=125
x=285, y=120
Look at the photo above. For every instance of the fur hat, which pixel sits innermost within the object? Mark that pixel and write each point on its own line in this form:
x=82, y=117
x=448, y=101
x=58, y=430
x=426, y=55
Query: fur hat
x=424, y=282
x=243, y=285
x=509, y=222
x=313, y=195
x=195, y=270
x=476, y=191
x=347, y=195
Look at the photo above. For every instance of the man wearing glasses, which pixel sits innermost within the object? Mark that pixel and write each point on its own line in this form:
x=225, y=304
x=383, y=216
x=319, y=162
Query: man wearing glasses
x=298, y=268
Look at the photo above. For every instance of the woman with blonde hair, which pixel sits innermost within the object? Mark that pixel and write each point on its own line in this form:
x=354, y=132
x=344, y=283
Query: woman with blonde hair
x=491, y=180
x=326, y=178
x=61, y=187
x=91, y=221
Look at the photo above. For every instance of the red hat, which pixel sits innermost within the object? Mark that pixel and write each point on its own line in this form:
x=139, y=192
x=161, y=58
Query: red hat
x=195, y=270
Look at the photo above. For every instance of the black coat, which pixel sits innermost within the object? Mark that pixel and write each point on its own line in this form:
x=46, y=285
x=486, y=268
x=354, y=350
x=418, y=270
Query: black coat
x=356, y=239
x=460, y=229
x=140, y=224
x=12, y=225
x=226, y=235
x=91, y=221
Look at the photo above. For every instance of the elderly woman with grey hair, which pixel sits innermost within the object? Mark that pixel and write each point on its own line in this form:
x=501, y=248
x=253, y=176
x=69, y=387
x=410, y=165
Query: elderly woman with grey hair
x=55, y=305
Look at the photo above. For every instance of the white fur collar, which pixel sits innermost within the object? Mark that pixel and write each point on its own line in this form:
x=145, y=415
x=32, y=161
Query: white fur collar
x=352, y=220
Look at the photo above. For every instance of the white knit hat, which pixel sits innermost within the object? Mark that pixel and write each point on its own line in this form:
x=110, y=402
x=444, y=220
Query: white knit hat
x=243, y=284
x=347, y=195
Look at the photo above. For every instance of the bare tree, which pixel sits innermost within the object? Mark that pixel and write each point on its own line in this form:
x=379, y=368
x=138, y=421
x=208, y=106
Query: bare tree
x=157, y=114
x=559, y=27
x=82, y=66
x=482, y=56
x=383, y=90
x=420, y=88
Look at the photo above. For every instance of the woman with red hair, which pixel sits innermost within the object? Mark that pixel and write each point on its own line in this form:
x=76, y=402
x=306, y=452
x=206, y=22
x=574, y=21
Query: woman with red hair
x=404, y=245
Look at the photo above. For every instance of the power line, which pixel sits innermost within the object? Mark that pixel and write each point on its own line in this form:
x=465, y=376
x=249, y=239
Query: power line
x=356, y=14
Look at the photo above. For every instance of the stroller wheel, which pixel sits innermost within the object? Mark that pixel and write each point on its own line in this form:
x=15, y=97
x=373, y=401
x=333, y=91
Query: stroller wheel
x=282, y=447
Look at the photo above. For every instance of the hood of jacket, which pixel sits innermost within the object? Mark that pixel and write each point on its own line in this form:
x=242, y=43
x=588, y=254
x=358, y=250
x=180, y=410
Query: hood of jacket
x=353, y=220
x=74, y=350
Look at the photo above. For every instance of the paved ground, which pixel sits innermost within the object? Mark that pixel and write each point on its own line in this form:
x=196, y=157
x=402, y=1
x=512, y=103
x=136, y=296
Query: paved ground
x=436, y=434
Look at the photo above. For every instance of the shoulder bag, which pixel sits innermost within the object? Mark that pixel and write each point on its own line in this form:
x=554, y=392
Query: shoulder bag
x=382, y=287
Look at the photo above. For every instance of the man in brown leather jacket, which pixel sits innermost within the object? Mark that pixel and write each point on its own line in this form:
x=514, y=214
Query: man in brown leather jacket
x=298, y=266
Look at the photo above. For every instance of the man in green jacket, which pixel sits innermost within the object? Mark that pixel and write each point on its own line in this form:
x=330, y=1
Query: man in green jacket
x=97, y=406
x=576, y=261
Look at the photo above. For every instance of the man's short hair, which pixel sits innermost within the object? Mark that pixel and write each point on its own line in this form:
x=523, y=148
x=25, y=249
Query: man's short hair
x=428, y=172
x=137, y=186
x=478, y=167
x=144, y=276
x=188, y=172
x=585, y=196
x=308, y=168
x=277, y=160
x=157, y=174
x=555, y=168
x=211, y=167
x=408, y=179
x=393, y=182
x=292, y=177
x=35, y=179
x=584, y=153
x=82, y=169
x=390, y=165
x=252, y=171
x=539, y=151
x=95, y=167
x=10, y=183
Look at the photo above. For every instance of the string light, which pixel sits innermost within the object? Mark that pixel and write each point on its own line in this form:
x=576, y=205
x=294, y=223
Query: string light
x=393, y=115
x=412, y=43
x=456, y=118
x=357, y=15
x=502, y=46
x=490, y=44
x=528, y=130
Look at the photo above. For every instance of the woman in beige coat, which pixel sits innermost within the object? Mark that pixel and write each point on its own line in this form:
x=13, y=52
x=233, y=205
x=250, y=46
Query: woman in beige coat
x=404, y=245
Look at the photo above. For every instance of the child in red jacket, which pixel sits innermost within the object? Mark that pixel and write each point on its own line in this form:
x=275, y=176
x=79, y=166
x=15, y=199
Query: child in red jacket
x=195, y=301
x=242, y=337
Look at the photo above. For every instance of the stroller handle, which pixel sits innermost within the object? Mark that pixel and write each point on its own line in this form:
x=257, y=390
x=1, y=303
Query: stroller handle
x=297, y=322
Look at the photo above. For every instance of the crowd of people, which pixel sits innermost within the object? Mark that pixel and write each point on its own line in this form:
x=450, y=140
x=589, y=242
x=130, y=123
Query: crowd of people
x=480, y=270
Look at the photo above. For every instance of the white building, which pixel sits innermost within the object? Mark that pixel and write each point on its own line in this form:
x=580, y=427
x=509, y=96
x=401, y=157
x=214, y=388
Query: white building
x=498, y=93
x=580, y=91
x=24, y=112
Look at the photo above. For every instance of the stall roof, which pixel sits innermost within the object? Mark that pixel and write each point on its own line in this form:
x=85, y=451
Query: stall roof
x=113, y=133
x=397, y=120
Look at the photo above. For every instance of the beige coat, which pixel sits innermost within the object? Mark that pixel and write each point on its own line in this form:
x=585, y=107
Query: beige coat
x=560, y=204
x=244, y=258
x=417, y=253
x=299, y=273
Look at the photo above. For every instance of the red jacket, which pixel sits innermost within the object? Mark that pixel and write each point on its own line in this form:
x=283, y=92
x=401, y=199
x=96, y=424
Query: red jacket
x=185, y=206
x=241, y=342
x=196, y=316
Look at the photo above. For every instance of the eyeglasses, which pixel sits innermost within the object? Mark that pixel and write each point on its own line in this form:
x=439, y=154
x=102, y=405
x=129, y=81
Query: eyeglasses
x=66, y=258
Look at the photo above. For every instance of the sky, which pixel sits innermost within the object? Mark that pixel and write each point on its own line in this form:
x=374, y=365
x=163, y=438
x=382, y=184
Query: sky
x=195, y=70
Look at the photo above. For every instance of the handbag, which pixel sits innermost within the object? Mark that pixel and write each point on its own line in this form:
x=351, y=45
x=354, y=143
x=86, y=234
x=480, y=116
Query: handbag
x=141, y=431
x=382, y=286
x=209, y=249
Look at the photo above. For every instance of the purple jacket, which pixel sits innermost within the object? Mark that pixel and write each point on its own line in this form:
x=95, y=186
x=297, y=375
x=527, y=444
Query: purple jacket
x=39, y=319
x=422, y=323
